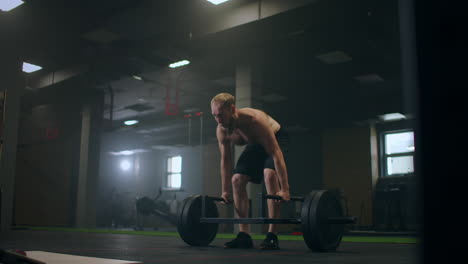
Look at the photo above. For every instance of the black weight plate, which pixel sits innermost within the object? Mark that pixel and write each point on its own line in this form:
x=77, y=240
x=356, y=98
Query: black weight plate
x=318, y=234
x=189, y=227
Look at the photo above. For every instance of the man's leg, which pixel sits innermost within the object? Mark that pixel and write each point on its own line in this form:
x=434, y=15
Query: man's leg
x=241, y=201
x=272, y=186
x=241, y=205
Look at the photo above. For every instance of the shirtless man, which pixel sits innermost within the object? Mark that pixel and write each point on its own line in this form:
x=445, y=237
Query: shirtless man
x=261, y=158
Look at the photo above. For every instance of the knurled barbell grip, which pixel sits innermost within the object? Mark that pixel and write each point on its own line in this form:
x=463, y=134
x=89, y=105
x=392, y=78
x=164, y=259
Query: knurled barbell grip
x=292, y=198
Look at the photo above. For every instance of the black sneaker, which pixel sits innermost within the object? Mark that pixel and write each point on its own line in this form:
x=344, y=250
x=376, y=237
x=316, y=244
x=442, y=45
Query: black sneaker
x=243, y=240
x=270, y=242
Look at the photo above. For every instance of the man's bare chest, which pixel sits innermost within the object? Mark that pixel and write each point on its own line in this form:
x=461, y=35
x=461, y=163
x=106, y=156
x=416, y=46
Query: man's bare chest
x=239, y=137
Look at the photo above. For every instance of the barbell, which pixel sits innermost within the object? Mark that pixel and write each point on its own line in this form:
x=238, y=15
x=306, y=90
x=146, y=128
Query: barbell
x=147, y=206
x=322, y=219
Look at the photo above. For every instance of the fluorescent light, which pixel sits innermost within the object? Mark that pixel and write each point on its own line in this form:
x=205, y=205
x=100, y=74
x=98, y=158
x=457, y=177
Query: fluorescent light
x=179, y=63
x=7, y=5
x=217, y=2
x=128, y=152
x=28, y=67
x=392, y=117
x=125, y=165
x=136, y=77
x=131, y=122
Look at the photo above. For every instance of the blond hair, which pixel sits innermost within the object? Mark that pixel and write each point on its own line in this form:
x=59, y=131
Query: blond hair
x=225, y=99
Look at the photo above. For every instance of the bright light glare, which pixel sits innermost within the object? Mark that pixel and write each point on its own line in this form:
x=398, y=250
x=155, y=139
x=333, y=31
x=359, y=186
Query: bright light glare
x=7, y=5
x=400, y=165
x=179, y=63
x=28, y=67
x=126, y=152
x=399, y=142
x=174, y=164
x=125, y=165
x=131, y=122
x=217, y=2
x=175, y=180
x=392, y=117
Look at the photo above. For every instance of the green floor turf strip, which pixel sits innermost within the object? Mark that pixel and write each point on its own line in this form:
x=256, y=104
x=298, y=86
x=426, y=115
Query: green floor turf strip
x=358, y=239
x=380, y=239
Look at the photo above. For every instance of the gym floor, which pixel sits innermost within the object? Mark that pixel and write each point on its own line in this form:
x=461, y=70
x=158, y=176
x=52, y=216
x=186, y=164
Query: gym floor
x=167, y=249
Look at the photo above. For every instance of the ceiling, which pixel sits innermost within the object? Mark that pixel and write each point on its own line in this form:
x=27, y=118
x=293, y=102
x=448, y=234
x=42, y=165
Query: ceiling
x=316, y=62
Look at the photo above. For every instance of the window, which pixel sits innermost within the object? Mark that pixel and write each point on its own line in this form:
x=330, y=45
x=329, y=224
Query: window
x=174, y=172
x=398, y=153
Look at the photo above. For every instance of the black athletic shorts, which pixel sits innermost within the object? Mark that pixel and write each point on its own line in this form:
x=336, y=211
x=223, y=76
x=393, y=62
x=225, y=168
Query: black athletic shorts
x=254, y=158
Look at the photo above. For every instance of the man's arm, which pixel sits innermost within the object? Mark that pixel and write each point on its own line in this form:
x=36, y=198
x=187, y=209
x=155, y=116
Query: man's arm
x=226, y=164
x=266, y=136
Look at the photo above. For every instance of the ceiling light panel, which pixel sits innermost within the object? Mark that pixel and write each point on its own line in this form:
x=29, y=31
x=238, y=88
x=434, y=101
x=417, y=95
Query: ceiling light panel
x=217, y=2
x=7, y=5
x=28, y=67
x=179, y=63
x=131, y=122
x=392, y=117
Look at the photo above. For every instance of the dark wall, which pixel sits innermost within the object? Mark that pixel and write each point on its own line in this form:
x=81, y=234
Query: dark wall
x=319, y=95
x=47, y=165
x=49, y=154
x=2, y=103
x=304, y=162
x=351, y=164
x=347, y=167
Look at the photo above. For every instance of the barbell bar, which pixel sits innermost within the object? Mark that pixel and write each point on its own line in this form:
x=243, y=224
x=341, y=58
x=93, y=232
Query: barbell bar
x=322, y=220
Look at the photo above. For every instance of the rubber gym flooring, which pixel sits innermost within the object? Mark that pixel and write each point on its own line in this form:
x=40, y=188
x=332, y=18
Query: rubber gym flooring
x=136, y=247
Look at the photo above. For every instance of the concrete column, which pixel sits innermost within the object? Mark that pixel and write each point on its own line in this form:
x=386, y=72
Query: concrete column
x=11, y=83
x=81, y=201
x=408, y=56
x=247, y=89
x=89, y=158
x=86, y=187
